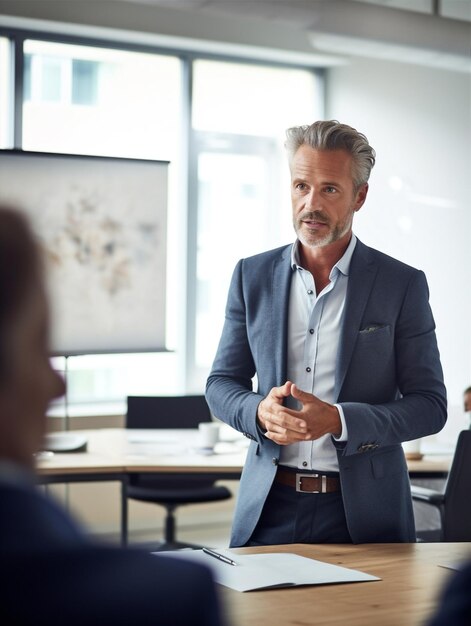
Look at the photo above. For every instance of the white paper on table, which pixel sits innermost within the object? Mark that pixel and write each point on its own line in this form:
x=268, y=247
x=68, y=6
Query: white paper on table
x=456, y=566
x=151, y=436
x=268, y=571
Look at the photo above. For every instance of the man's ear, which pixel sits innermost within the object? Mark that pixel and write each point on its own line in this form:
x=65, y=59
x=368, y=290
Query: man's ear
x=360, y=196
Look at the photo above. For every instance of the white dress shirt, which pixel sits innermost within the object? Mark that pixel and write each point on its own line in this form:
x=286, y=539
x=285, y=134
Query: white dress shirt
x=314, y=326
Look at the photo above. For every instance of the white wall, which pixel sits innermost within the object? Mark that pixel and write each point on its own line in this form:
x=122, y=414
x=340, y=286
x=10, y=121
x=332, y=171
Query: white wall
x=419, y=121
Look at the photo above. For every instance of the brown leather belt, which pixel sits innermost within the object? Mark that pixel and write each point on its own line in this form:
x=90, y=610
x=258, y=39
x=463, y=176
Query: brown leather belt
x=308, y=483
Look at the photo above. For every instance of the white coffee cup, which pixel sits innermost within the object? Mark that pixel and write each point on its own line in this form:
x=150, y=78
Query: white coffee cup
x=412, y=449
x=208, y=434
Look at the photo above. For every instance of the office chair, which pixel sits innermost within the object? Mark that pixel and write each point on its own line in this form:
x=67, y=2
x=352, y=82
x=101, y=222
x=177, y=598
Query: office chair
x=171, y=490
x=454, y=504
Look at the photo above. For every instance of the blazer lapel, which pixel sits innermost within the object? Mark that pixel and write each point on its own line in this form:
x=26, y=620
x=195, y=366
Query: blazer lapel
x=281, y=285
x=360, y=282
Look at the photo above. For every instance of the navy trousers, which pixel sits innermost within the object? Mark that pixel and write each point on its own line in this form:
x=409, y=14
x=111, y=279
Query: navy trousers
x=292, y=517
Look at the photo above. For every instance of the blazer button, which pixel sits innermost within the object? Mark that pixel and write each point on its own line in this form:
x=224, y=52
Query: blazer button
x=274, y=461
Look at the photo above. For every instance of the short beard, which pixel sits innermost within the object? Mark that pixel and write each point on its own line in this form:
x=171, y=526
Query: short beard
x=334, y=235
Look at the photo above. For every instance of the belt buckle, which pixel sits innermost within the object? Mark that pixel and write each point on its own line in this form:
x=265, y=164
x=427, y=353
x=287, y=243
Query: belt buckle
x=323, y=478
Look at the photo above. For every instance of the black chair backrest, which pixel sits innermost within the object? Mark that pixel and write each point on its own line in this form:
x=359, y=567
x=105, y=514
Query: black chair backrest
x=457, y=513
x=166, y=411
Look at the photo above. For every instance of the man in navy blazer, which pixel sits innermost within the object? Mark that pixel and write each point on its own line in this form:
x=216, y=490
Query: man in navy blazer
x=342, y=342
x=51, y=573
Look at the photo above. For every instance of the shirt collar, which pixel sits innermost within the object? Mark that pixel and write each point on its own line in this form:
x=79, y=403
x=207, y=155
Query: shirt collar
x=342, y=265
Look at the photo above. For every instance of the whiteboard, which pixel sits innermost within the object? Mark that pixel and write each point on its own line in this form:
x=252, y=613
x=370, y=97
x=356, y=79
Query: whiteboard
x=102, y=222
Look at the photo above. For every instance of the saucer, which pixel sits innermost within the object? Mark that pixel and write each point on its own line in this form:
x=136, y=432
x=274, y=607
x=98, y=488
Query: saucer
x=65, y=442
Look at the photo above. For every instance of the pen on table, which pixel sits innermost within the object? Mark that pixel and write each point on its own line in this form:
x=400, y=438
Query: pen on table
x=221, y=557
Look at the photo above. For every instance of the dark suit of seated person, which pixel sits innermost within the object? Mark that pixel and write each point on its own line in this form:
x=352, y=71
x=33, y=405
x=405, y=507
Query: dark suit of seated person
x=455, y=604
x=50, y=572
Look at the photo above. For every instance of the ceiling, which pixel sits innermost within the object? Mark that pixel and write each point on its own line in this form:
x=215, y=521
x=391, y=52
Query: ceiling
x=436, y=33
x=324, y=33
x=302, y=12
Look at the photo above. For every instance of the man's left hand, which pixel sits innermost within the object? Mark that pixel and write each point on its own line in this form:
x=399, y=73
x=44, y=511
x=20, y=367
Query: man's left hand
x=321, y=418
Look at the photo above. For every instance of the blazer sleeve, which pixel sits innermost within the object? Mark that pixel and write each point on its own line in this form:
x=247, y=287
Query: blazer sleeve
x=229, y=388
x=420, y=406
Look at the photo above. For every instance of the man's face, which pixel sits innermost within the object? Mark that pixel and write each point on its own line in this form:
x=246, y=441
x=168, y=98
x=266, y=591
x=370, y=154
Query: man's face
x=323, y=196
x=467, y=401
x=29, y=384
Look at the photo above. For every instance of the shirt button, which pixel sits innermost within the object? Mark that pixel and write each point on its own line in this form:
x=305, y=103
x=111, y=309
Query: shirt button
x=308, y=369
x=304, y=463
x=310, y=292
x=311, y=330
x=274, y=461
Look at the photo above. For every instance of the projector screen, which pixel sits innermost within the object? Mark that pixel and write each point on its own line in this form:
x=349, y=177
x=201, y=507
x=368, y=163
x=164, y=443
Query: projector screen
x=102, y=223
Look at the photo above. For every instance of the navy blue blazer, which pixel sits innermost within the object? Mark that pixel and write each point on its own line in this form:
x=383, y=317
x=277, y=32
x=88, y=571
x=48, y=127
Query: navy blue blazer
x=52, y=574
x=388, y=380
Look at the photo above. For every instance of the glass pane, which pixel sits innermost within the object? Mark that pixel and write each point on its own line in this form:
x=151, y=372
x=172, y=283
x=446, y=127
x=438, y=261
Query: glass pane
x=235, y=201
x=100, y=101
x=86, y=100
x=252, y=99
x=97, y=381
x=6, y=130
x=241, y=112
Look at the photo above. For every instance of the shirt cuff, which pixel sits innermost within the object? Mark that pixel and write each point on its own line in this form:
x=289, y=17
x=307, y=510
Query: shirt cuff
x=344, y=433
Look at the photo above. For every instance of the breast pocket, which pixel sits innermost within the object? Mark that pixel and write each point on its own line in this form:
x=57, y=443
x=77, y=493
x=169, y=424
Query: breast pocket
x=375, y=342
x=371, y=375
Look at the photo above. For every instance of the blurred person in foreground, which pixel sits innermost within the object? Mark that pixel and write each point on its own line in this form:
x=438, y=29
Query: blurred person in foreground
x=455, y=603
x=51, y=572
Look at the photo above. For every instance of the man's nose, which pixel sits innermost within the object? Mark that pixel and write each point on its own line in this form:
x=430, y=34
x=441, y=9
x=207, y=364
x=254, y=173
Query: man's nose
x=312, y=199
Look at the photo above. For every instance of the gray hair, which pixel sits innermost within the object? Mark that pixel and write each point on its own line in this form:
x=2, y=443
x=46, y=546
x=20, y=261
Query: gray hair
x=332, y=135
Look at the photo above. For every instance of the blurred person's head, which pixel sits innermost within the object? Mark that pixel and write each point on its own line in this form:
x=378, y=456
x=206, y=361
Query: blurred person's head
x=467, y=399
x=27, y=381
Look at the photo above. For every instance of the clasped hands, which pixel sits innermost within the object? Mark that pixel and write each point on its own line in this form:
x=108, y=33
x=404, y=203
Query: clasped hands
x=284, y=426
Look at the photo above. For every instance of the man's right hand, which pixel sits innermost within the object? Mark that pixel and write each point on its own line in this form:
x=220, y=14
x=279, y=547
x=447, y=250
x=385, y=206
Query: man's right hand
x=275, y=418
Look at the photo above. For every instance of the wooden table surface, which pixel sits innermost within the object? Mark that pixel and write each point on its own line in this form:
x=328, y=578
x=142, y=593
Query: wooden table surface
x=110, y=450
x=118, y=450
x=406, y=595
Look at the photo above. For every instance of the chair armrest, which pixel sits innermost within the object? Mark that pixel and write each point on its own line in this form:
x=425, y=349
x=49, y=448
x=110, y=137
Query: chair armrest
x=430, y=496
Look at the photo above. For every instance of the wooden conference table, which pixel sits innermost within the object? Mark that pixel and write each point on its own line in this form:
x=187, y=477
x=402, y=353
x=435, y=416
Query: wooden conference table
x=113, y=454
x=407, y=594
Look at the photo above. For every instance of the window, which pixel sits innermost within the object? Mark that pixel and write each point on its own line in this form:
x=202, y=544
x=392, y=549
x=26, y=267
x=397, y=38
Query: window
x=6, y=131
x=103, y=101
x=240, y=114
x=81, y=99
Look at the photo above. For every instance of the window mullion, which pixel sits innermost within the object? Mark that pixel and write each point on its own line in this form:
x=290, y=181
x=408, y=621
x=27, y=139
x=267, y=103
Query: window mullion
x=18, y=88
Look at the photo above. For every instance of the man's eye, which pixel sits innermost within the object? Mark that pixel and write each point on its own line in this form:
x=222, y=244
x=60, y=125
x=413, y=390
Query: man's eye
x=300, y=186
x=330, y=189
